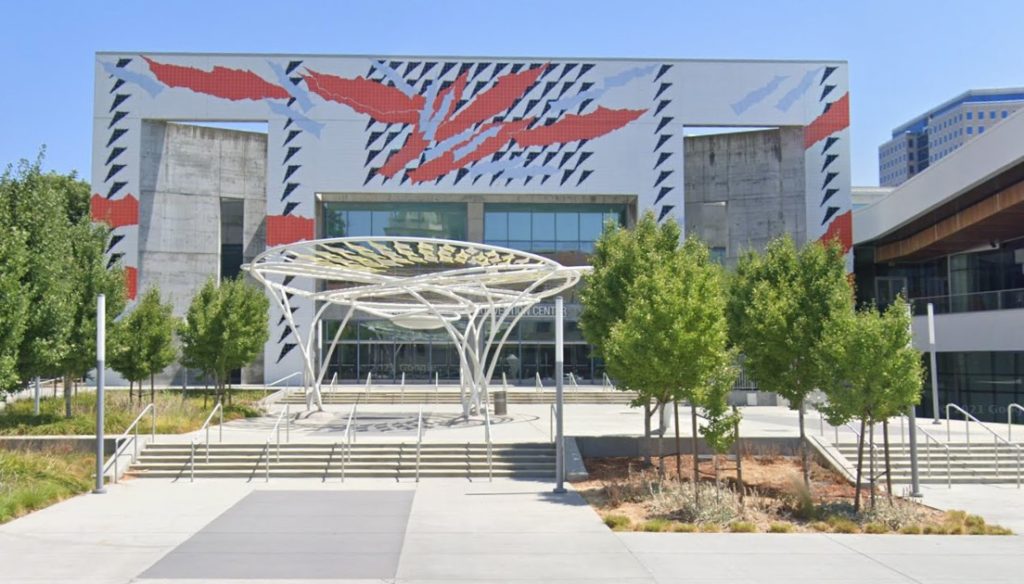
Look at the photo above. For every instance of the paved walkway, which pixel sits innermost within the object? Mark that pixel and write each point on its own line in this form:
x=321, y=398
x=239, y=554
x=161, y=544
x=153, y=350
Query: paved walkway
x=151, y=531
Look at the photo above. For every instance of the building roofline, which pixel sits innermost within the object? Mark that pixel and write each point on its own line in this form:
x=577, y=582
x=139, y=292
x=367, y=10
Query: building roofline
x=953, y=102
x=464, y=57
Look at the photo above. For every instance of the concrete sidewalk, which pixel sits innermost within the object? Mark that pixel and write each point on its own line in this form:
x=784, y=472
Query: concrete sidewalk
x=454, y=531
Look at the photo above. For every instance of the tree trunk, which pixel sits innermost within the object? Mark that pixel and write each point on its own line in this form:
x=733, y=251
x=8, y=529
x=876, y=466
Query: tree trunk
x=803, y=451
x=888, y=467
x=206, y=390
x=67, y=396
x=647, y=433
x=739, y=456
x=871, y=456
x=679, y=449
x=860, y=466
x=131, y=388
x=152, y=388
x=696, y=456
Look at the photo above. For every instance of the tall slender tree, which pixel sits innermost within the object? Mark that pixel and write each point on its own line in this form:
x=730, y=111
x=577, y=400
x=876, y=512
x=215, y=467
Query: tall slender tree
x=146, y=340
x=875, y=372
x=671, y=344
x=225, y=328
x=14, y=265
x=621, y=256
x=780, y=303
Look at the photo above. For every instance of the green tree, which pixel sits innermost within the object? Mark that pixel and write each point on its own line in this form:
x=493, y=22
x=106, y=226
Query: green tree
x=89, y=276
x=875, y=371
x=14, y=263
x=124, y=349
x=146, y=340
x=621, y=256
x=225, y=328
x=780, y=303
x=671, y=343
x=35, y=206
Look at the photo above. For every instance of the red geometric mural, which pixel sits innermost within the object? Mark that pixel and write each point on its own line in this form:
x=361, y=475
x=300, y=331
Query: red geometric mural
x=115, y=213
x=282, y=229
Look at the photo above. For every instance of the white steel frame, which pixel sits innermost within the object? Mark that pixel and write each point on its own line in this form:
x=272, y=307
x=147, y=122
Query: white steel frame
x=474, y=291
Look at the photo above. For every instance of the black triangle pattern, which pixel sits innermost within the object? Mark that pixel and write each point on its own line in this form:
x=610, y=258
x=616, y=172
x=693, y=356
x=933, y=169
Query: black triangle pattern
x=116, y=150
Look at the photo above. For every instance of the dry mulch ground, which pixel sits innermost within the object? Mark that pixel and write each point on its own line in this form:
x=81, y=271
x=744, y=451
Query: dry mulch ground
x=624, y=491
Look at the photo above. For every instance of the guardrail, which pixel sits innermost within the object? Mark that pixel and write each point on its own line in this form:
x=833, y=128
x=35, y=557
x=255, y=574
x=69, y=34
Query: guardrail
x=419, y=442
x=122, y=441
x=928, y=457
x=1009, y=419
x=487, y=436
x=206, y=426
x=997, y=439
x=275, y=434
x=970, y=301
x=349, y=437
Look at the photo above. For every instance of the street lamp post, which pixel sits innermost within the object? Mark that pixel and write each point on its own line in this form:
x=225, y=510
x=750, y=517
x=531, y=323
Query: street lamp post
x=935, y=373
x=559, y=400
x=101, y=350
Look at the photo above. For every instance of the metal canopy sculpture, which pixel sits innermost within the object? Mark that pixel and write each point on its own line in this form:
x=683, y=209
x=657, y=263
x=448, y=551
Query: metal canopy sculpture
x=475, y=292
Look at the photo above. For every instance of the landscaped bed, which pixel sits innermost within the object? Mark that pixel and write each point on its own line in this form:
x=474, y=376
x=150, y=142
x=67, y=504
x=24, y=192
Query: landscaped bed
x=174, y=414
x=631, y=497
x=33, y=480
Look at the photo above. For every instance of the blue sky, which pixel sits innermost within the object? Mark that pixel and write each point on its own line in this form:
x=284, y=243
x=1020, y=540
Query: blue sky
x=905, y=56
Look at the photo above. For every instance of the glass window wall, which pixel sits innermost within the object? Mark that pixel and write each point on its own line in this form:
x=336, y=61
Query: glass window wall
x=549, y=228
x=440, y=220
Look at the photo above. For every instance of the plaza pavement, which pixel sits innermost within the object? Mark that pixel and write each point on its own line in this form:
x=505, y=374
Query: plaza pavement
x=222, y=531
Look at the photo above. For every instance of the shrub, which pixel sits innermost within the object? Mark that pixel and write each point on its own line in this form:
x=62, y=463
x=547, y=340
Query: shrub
x=912, y=529
x=933, y=530
x=780, y=527
x=798, y=497
x=683, y=527
x=876, y=528
x=954, y=522
x=843, y=525
x=893, y=515
x=618, y=522
x=997, y=530
x=676, y=500
x=819, y=526
x=710, y=527
x=654, y=525
x=742, y=527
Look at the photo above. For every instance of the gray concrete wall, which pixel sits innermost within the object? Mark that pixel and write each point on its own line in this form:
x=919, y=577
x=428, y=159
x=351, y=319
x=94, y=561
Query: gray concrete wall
x=185, y=172
x=759, y=175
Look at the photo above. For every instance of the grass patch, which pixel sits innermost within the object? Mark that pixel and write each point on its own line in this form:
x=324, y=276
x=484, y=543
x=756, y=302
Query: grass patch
x=742, y=527
x=843, y=525
x=780, y=527
x=820, y=526
x=174, y=414
x=683, y=527
x=618, y=522
x=876, y=528
x=911, y=530
x=33, y=480
x=655, y=525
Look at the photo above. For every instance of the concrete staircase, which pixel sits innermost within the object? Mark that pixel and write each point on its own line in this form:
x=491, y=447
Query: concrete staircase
x=974, y=463
x=429, y=396
x=324, y=461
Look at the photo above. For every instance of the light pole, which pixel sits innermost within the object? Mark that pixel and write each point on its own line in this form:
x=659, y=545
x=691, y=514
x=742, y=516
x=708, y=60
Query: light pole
x=101, y=354
x=935, y=373
x=559, y=401
x=915, y=477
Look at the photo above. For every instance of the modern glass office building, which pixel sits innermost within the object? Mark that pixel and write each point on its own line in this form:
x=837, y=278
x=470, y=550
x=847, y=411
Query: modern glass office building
x=954, y=238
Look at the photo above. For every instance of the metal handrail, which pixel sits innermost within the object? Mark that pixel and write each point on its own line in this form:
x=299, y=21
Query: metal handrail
x=1009, y=419
x=607, y=382
x=551, y=423
x=266, y=386
x=206, y=426
x=538, y=383
x=572, y=381
x=275, y=434
x=419, y=441
x=487, y=436
x=928, y=457
x=346, y=453
x=122, y=446
x=996, y=438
